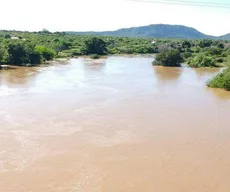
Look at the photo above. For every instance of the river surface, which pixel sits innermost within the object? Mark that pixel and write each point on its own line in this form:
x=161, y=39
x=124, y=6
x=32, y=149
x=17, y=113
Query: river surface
x=113, y=125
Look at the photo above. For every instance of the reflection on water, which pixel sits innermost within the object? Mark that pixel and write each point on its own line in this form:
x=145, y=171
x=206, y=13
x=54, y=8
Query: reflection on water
x=18, y=76
x=115, y=124
x=167, y=73
x=219, y=93
x=202, y=72
x=95, y=65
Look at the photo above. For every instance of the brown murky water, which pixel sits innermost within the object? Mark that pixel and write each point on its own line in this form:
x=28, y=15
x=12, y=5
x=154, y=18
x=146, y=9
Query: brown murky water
x=118, y=125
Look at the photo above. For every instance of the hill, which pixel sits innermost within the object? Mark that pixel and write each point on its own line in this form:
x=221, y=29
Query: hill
x=157, y=31
x=225, y=37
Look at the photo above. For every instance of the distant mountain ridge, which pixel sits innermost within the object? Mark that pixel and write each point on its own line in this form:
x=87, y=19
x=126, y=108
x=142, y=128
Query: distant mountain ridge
x=157, y=31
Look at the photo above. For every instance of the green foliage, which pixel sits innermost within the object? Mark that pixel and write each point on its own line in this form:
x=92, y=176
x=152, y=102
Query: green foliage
x=95, y=45
x=17, y=54
x=7, y=36
x=186, y=55
x=46, y=53
x=32, y=56
x=21, y=54
x=220, y=45
x=44, y=45
x=222, y=80
x=202, y=60
x=186, y=44
x=95, y=56
x=213, y=51
x=3, y=54
x=170, y=58
x=76, y=52
x=205, y=43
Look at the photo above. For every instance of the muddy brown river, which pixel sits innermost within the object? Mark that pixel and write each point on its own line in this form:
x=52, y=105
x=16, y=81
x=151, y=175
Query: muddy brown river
x=114, y=125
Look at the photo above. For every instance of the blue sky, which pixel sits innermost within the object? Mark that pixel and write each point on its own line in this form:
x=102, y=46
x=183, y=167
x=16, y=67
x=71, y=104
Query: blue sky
x=96, y=15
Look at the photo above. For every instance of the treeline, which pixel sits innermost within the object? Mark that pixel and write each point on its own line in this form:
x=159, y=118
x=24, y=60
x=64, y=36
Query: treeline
x=25, y=54
x=36, y=47
x=20, y=48
x=199, y=53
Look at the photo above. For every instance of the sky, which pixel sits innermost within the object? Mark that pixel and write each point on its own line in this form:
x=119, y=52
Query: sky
x=100, y=15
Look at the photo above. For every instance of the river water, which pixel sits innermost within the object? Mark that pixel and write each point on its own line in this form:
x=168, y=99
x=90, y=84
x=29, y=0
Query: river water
x=113, y=125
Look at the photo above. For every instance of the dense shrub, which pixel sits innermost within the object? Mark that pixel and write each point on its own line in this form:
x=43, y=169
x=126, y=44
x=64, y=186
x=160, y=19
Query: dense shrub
x=47, y=54
x=186, y=55
x=22, y=54
x=186, y=44
x=213, y=51
x=202, y=60
x=170, y=58
x=95, y=56
x=222, y=80
x=205, y=43
x=3, y=54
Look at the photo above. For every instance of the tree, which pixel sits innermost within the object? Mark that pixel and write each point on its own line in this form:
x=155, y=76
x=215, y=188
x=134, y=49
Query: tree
x=47, y=54
x=170, y=58
x=186, y=44
x=17, y=53
x=59, y=46
x=7, y=36
x=20, y=54
x=95, y=45
x=205, y=43
x=32, y=56
x=220, y=45
x=3, y=54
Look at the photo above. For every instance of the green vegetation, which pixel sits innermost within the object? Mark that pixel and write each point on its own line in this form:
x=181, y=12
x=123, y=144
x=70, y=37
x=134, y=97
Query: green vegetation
x=96, y=46
x=169, y=58
x=222, y=80
x=202, y=60
x=95, y=56
x=23, y=48
x=34, y=48
x=46, y=53
x=20, y=54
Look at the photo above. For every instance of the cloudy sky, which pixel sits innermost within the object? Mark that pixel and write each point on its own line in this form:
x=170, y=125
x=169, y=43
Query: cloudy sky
x=97, y=15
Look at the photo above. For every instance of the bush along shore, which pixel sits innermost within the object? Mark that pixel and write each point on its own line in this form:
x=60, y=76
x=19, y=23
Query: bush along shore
x=222, y=80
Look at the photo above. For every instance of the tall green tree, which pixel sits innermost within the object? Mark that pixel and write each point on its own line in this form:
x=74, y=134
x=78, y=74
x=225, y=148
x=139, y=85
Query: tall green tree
x=170, y=58
x=95, y=45
x=17, y=53
x=20, y=53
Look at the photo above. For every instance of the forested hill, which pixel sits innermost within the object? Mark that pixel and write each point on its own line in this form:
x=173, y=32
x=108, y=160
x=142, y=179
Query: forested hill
x=158, y=31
